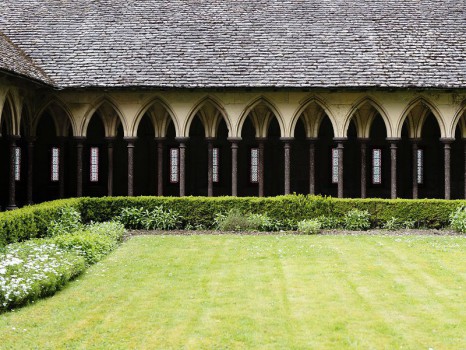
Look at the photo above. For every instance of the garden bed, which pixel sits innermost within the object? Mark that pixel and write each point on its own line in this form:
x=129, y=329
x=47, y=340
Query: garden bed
x=374, y=232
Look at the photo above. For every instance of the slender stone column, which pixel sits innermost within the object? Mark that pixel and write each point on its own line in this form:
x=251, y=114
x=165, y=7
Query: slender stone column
x=234, y=165
x=30, y=173
x=110, y=141
x=79, y=168
x=415, y=185
x=160, y=141
x=340, y=148
x=287, y=161
x=312, y=165
x=447, y=161
x=61, y=167
x=261, y=142
x=464, y=170
x=393, y=166
x=210, y=165
x=130, y=147
x=182, y=141
x=11, y=180
x=363, y=145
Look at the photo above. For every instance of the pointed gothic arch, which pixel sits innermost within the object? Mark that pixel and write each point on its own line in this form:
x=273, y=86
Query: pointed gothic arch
x=303, y=107
x=430, y=107
x=363, y=126
x=111, y=123
x=205, y=101
x=250, y=107
x=54, y=106
x=146, y=108
x=459, y=120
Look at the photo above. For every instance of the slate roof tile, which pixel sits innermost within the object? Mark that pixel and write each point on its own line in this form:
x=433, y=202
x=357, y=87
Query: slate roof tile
x=241, y=43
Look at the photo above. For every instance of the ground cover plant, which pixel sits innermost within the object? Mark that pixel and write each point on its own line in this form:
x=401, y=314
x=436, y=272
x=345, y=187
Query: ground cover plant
x=274, y=291
x=36, y=268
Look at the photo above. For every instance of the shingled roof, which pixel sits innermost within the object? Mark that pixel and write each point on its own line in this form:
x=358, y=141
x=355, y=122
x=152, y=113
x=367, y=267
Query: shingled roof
x=15, y=61
x=242, y=43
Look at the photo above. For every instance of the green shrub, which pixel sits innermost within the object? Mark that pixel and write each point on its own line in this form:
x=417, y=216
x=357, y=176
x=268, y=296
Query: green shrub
x=262, y=222
x=397, y=224
x=330, y=222
x=393, y=224
x=357, y=220
x=31, y=221
x=69, y=220
x=431, y=213
x=233, y=220
x=149, y=219
x=94, y=242
x=458, y=219
x=309, y=226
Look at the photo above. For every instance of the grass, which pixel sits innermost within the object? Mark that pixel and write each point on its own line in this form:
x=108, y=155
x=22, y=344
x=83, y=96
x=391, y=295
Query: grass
x=268, y=292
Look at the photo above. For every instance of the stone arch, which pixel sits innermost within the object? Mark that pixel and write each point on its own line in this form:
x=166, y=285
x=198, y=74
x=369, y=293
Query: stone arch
x=55, y=106
x=10, y=117
x=459, y=120
x=303, y=107
x=250, y=107
x=364, y=119
x=111, y=122
x=26, y=120
x=210, y=130
x=415, y=126
x=147, y=107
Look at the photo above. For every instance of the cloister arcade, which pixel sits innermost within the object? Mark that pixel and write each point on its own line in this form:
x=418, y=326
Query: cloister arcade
x=387, y=144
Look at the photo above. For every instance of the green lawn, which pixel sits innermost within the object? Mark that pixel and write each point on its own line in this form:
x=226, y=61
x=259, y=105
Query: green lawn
x=267, y=292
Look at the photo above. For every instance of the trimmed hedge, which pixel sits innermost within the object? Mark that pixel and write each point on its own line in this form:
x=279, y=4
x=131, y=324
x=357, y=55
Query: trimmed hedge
x=429, y=213
x=31, y=222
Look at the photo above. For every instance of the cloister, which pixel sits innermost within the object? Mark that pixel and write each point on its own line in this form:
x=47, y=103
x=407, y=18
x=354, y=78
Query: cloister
x=241, y=98
x=386, y=144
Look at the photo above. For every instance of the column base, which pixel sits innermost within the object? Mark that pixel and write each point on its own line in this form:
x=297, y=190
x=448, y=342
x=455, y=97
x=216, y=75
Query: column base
x=11, y=207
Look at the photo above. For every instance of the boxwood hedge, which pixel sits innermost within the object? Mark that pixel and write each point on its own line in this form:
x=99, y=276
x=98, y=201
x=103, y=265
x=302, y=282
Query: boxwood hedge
x=32, y=221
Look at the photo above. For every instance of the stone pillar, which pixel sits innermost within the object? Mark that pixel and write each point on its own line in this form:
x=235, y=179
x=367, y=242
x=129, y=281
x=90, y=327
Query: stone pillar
x=393, y=166
x=415, y=184
x=261, y=142
x=79, y=168
x=210, y=165
x=61, y=167
x=447, y=162
x=182, y=141
x=30, y=173
x=312, y=165
x=11, y=180
x=160, y=141
x=234, y=165
x=464, y=170
x=287, y=165
x=340, y=148
x=130, y=147
x=363, y=145
x=110, y=141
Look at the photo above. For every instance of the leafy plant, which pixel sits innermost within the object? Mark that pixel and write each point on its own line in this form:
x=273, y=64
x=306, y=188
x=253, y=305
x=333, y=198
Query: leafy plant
x=393, y=224
x=156, y=219
x=233, y=220
x=458, y=219
x=262, y=222
x=330, y=222
x=94, y=242
x=69, y=220
x=357, y=220
x=309, y=226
